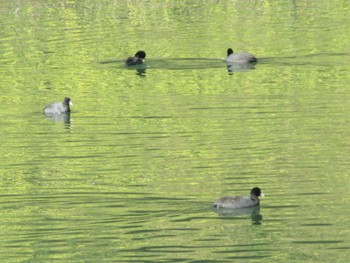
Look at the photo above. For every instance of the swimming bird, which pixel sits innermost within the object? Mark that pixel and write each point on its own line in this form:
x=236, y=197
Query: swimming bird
x=240, y=57
x=58, y=107
x=136, y=59
x=233, y=202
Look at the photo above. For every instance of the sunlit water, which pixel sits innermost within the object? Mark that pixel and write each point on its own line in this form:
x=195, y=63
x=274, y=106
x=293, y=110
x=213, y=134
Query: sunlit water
x=131, y=174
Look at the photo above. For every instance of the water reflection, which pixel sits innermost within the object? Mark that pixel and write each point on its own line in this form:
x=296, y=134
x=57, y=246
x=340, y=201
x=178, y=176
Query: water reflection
x=141, y=72
x=254, y=213
x=238, y=67
x=64, y=117
x=140, y=69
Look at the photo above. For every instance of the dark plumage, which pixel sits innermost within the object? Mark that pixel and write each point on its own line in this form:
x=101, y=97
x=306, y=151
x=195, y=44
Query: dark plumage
x=136, y=59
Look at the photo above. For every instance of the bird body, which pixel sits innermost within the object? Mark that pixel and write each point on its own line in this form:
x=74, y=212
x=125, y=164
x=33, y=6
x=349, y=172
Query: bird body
x=240, y=57
x=138, y=58
x=233, y=202
x=58, y=107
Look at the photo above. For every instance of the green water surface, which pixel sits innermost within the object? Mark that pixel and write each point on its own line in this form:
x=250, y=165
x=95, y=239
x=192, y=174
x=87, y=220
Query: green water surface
x=131, y=173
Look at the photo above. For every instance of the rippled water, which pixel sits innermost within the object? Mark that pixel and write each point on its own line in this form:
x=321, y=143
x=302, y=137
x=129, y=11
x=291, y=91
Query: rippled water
x=131, y=174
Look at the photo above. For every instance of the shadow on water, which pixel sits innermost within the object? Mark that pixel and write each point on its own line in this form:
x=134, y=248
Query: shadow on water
x=320, y=59
x=317, y=59
x=253, y=212
x=170, y=63
x=181, y=64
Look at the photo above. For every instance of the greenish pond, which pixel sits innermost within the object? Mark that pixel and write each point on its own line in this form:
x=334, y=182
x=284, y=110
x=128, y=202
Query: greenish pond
x=131, y=174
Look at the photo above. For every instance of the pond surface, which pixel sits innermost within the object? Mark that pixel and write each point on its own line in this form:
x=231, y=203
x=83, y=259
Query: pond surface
x=131, y=174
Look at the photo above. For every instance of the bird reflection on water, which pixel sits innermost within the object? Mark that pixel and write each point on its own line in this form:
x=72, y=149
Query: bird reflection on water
x=236, y=67
x=254, y=213
x=65, y=118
